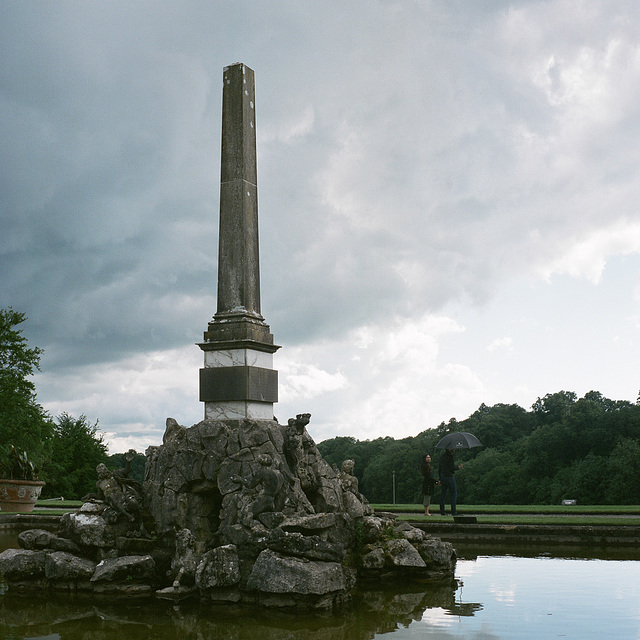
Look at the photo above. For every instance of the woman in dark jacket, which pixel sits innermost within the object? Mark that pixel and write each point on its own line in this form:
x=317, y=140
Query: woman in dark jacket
x=428, y=483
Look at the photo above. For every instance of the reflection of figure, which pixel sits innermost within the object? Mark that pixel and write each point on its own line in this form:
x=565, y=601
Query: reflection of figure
x=428, y=483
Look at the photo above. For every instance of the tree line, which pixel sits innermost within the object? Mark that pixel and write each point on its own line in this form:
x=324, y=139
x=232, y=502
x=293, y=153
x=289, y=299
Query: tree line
x=65, y=450
x=564, y=447
x=586, y=449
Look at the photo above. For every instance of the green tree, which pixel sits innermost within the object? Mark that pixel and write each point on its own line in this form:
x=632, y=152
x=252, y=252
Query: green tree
x=554, y=407
x=23, y=422
x=500, y=425
x=77, y=447
x=586, y=481
x=587, y=449
x=492, y=477
x=622, y=473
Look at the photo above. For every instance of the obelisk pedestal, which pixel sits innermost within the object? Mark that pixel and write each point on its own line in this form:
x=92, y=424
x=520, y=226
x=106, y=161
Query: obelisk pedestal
x=238, y=379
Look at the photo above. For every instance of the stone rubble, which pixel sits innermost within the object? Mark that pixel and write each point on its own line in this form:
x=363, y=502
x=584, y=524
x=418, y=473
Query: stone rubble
x=230, y=511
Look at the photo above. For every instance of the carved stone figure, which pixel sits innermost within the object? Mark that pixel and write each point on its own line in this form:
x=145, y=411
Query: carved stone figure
x=42, y=539
x=123, y=495
x=295, y=450
x=184, y=562
x=348, y=481
x=354, y=502
x=270, y=482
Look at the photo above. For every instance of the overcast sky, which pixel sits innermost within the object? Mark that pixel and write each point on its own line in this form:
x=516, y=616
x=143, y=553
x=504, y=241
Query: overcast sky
x=449, y=203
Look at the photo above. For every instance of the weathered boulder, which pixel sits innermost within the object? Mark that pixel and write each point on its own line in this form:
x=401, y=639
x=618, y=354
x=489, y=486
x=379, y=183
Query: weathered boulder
x=397, y=553
x=373, y=559
x=125, y=569
x=219, y=567
x=63, y=566
x=352, y=505
x=373, y=528
x=412, y=534
x=87, y=528
x=22, y=564
x=398, y=550
x=317, y=523
x=312, y=547
x=439, y=556
x=275, y=573
x=402, y=553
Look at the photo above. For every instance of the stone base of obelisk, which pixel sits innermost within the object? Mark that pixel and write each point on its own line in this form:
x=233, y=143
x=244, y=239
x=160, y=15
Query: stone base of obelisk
x=238, y=410
x=238, y=380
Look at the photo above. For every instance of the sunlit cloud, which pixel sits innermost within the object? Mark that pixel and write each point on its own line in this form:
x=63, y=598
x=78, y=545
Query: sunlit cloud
x=587, y=258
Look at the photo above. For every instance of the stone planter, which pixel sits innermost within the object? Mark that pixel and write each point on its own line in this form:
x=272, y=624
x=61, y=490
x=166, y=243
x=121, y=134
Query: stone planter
x=19, y=496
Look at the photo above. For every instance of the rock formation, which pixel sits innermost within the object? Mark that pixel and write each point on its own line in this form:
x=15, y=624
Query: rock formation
x=230, y=511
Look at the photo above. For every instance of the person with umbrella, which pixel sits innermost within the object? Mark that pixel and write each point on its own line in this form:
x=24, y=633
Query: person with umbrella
x=447, y=466
x=446, y=469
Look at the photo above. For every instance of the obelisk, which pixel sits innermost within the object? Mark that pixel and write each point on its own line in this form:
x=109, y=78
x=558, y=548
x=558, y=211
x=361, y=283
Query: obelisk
x=238, y=380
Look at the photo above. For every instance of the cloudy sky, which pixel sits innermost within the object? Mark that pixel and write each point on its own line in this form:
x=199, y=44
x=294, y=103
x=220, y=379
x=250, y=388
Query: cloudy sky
x=449, y=200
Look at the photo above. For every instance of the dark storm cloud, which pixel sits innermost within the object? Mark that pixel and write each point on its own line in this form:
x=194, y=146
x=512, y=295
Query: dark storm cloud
x=412, y=156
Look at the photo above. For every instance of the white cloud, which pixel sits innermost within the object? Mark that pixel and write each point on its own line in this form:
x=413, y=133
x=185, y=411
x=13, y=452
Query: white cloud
x=389, y=379
x=587, y=257
x=301, y=381
x=130, y=398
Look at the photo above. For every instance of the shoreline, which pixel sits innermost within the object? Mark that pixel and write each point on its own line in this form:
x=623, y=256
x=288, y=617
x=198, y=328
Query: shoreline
x=604, y=536
x=535, y=534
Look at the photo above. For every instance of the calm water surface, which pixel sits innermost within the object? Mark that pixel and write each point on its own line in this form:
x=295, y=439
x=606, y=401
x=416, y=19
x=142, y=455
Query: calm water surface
x=495, y=598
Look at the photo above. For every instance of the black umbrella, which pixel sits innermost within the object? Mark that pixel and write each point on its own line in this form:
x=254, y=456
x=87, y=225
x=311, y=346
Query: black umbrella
x=460, y=440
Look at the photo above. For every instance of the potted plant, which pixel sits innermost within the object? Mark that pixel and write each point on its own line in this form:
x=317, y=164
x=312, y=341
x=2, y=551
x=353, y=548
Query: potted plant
x=19, y=484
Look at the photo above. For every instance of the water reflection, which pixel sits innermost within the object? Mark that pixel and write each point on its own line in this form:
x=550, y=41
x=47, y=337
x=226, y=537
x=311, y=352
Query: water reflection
x=372, y=612
x=581, y=594
x=540, y=597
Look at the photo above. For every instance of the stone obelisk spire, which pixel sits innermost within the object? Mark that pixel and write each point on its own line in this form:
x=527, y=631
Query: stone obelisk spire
x=238, y=379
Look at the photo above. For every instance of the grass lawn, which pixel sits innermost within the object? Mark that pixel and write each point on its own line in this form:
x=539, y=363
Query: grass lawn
x=63, y=504
x=533, y=519
x=55, y=507
x=584, y=515
x=541, y=509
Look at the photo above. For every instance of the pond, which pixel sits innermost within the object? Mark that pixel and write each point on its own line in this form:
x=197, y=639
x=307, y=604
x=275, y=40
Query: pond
x=495, y=597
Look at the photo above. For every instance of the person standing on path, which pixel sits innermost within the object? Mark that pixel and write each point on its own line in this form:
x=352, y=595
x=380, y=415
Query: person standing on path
x=446, y=469
x=428, y=483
